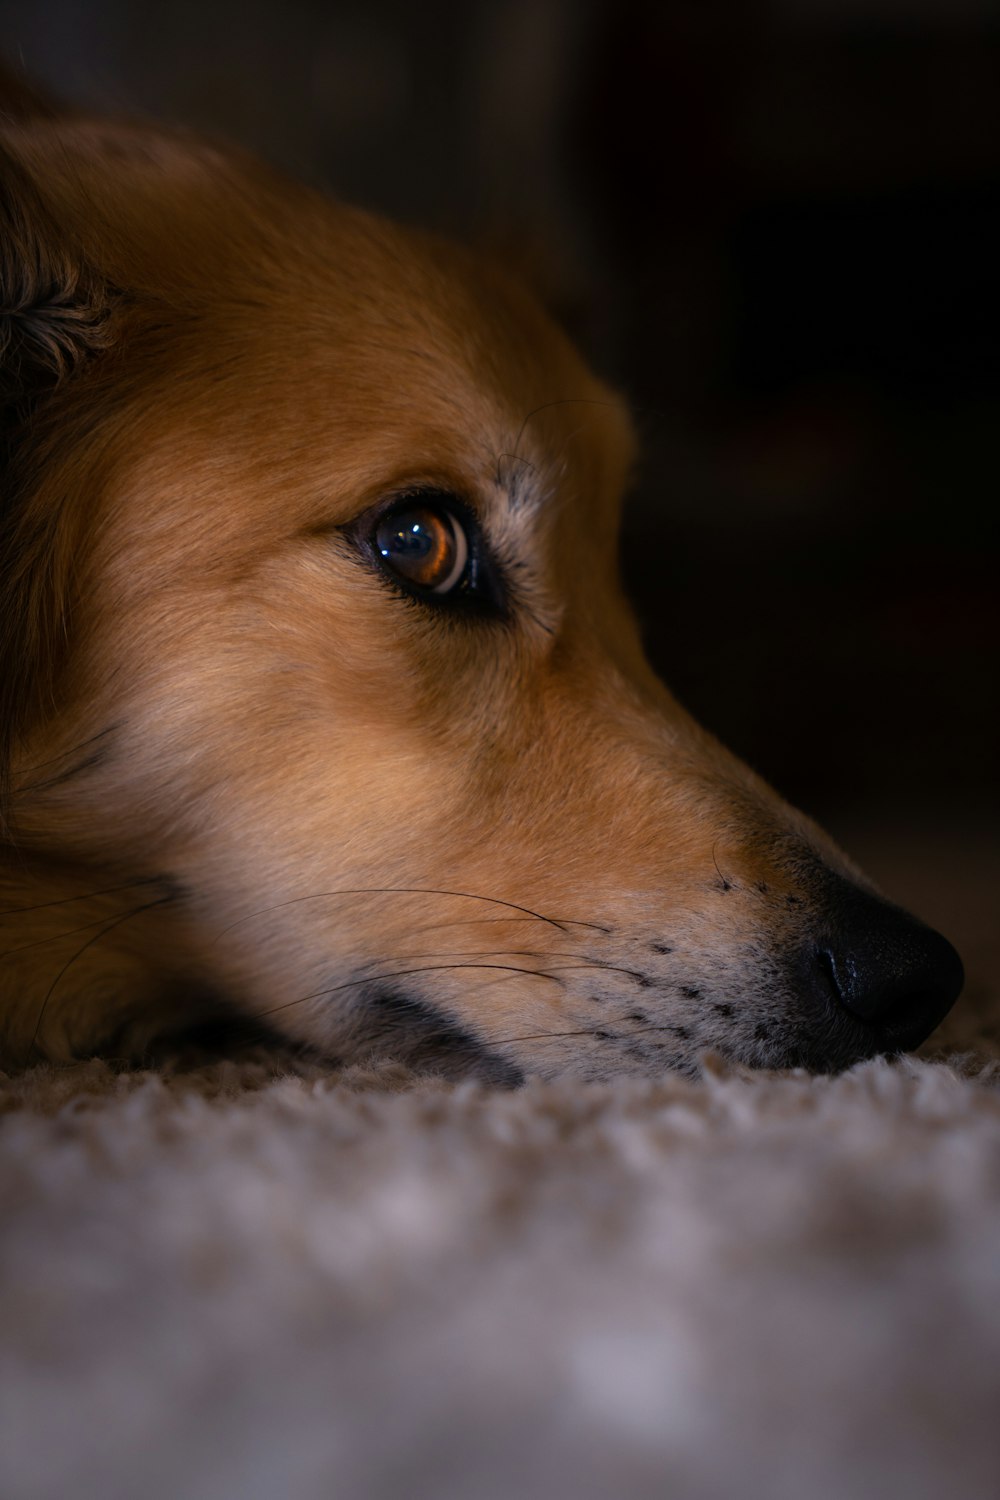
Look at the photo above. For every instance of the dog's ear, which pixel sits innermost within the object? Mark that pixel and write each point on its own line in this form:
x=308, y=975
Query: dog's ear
x=54, y=319
x=53, y=306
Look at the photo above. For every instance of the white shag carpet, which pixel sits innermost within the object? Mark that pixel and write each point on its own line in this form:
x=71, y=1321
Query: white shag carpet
x=228, y=1282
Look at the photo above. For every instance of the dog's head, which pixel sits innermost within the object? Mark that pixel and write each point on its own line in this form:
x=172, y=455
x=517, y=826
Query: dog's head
x=311, y=616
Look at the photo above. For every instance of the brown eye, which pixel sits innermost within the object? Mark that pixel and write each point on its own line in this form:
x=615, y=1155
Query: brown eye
x=425, y=545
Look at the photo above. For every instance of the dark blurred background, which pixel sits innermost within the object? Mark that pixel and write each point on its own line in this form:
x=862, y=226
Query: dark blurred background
x=777, y=228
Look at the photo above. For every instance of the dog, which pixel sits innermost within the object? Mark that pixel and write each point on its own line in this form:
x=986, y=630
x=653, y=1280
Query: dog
x=320, y=702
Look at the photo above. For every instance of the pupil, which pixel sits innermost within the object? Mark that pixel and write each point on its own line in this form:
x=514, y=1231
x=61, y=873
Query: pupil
x=422, y=546
x=411, y=541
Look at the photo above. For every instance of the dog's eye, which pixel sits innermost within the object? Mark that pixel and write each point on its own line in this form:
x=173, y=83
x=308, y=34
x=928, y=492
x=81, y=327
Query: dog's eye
x=423, y=544
x=428, y=543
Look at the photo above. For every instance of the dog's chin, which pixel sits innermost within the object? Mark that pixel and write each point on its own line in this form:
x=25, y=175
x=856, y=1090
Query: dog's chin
x=390, y=1026
x=833, y=1048
x=799, y=1029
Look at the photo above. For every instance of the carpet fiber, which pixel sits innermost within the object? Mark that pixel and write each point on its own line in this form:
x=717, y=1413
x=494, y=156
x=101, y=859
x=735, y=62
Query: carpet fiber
x=256, y=1280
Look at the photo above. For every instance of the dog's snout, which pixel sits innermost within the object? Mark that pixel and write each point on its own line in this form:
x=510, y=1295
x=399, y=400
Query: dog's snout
x=887, y=969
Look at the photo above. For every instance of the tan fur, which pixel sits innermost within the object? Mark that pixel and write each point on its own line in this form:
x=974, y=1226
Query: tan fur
x=275, y=767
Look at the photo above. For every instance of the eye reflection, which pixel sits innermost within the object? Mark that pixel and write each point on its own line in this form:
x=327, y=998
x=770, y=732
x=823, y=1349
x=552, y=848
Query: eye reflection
x=425, y=545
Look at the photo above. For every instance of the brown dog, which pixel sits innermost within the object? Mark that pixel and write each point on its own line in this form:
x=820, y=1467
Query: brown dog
x=319, y=699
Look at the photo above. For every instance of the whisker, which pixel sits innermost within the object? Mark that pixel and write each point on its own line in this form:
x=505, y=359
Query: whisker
x=727, y=884
x=53, y=937
x=349, y=984
x=553, y=974
x=632, y=407
x=513, y=453
x=411, y=890
x=59, y=778
x=110, y=890
x=591, y=1031
x=110, y=927
x=594, y=963
x=73, y=750
x=516, y=457
x=536, y=1036
x=548, y=405
x=472, y=922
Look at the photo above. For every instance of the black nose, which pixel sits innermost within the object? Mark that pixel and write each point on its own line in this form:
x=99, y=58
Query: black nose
x=886, y=968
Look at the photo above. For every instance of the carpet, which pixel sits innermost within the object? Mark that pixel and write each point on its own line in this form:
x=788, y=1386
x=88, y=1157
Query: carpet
x=257, y=1279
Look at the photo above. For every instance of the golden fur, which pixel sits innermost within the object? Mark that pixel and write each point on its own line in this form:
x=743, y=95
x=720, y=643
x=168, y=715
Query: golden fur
x=243, y=772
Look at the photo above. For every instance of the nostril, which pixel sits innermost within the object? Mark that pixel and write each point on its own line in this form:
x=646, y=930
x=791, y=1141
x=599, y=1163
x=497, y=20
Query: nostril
x=826, y=966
